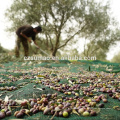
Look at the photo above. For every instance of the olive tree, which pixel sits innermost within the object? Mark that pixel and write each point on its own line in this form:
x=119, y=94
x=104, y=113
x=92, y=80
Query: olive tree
x=61, y=20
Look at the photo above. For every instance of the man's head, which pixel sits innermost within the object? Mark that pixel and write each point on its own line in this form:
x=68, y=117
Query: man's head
x=37, y=29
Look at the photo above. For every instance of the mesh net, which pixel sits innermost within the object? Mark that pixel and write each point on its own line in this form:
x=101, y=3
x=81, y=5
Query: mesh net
x=21, y=75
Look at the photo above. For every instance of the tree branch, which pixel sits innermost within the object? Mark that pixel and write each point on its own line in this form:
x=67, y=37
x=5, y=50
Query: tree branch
x=50, y=41
x=47, y=41
x=53, y=16
x=71, y=37
x=84, y=45
x=94, y=50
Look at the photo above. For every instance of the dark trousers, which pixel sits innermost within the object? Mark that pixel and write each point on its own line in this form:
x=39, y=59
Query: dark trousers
x=25, y=46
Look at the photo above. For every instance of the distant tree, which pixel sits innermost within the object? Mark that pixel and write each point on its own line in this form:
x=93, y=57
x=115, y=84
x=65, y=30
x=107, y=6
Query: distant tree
x=116, y=58
x=99, y=46
x=3, y=50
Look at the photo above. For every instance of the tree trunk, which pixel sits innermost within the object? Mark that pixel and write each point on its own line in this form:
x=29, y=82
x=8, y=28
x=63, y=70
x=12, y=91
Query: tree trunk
x=54, y=52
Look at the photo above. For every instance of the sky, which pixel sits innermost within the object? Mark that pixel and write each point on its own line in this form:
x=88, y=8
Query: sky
x=7, y=39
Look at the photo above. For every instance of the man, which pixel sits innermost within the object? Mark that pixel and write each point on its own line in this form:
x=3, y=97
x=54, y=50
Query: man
x=23, y=36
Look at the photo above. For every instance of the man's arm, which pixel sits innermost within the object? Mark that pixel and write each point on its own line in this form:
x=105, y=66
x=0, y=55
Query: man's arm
x=36, y=44
x=25, y=37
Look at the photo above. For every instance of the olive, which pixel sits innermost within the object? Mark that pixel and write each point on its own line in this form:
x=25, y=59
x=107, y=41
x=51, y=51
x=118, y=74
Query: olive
x=46, y=111
x=93, y=113
x=35, y=111
x=101, y=105
x=61, y=114
x=8, y=113
x=20, y=115
x=2, y=115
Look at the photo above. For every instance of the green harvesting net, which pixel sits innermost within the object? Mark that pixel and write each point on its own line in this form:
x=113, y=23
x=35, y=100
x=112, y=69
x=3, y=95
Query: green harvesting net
x=72, y=90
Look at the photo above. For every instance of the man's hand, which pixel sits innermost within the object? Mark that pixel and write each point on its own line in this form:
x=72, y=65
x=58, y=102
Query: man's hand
x=36, y=45
x=29, y=40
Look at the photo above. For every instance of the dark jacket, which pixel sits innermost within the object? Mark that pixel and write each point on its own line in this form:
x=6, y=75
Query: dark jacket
x=27, y=30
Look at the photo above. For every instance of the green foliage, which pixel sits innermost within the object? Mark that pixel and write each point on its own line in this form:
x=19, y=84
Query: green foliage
x=100, y=46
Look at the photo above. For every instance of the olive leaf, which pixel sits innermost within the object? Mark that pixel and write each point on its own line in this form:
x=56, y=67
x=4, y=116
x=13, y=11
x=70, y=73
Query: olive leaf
x=6, y=98
x=41, y=76
x=73, y=101
x=20, y=101
x=9, y=108
x=81, y=92
x=97, y=110
x=116, y=107
x=29, y=106
x=75, y=112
